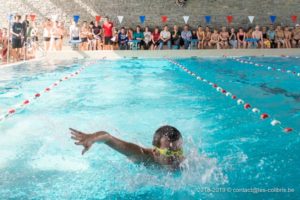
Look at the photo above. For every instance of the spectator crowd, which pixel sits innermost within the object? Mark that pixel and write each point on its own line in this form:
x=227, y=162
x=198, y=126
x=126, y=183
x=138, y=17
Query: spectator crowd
x=24, y=37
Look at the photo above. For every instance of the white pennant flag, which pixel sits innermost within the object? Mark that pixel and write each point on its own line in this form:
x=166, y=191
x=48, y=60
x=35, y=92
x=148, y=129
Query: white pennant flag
x=251, y=18
x=120, y=18
x=186, y=19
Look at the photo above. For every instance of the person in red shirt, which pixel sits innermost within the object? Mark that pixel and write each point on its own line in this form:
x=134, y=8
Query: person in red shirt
x=108, y=33
x=155, y=38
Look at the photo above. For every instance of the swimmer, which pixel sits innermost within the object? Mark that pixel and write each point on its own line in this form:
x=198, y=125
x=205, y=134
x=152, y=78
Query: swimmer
x=167, y=148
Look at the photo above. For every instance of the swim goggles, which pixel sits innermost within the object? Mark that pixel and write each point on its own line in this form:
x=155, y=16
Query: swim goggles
x=169, y=153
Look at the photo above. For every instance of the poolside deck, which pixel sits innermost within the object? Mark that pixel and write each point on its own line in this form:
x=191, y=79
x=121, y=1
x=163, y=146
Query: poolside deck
x=69, y=54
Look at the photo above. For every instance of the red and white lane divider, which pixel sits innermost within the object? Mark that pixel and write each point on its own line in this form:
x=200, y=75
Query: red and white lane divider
x=244, y=61
x=287, y=56
x=22, y=105
x=246, y=106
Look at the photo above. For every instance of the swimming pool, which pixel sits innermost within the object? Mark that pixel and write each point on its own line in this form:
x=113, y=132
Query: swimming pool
x=228, y=148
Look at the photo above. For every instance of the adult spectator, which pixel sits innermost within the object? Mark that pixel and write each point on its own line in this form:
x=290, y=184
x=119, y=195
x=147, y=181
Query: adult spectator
x=224, y=36
x=108, y=33
x=147, y=38
x=296, y=36
x=17, y=36
x=155, y=38
x=165, y=38
x=186, y=36
x=138, y=36
x=176, y=37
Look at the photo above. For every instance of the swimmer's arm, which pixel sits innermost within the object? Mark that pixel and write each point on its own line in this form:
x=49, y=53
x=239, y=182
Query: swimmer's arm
x=132, y=151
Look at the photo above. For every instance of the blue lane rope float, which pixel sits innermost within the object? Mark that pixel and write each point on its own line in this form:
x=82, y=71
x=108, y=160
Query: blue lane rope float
x=244, y=61
x=246, y=106
x=20, y=106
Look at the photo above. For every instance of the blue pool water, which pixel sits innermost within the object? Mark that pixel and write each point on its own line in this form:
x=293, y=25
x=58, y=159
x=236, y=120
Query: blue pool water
x=226, y=147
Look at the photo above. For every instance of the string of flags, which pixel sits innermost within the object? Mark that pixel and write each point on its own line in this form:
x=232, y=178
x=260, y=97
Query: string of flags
x=164, y=18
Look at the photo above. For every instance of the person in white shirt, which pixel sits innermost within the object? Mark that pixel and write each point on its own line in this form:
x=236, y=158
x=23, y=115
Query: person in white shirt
x=165, y=38
x=147, y=38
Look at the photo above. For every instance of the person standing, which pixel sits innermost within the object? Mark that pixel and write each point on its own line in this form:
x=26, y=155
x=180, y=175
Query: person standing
x=108, y=33
x=17, y=36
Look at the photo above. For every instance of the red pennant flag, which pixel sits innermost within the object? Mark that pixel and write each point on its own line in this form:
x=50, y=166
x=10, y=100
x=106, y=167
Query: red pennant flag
x=229, y=19
x=164, y=18
x=32, y=17
x=98, y=18
x=294, y=18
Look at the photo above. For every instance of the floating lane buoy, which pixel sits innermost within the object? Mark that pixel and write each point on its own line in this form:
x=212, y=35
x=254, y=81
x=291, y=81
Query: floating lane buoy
x=233, y=97
x=264, y=116
x=47, y=89
x=247, y=106
x=240, y=101
x=11, y=111
x=255, y=110
x=275, y=122
x=287, y=130
x=37, y=95
x=26, y=102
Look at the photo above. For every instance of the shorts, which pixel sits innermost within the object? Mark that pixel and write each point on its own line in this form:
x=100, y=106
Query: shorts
x=156, y=43
x=107, y=40
x=16, y=43
x=75, y=38
x=47, y=39
x=84, y=40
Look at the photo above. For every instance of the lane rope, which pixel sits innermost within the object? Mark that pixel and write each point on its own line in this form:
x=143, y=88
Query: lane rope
x=22, y=105
x=250, y=62
x=247, y=106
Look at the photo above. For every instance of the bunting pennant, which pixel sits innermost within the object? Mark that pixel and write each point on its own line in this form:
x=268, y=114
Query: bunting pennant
x=120, y=18
x=164, y=18
x=97, y=18
x=186, y=19
x=76, y=18
x=273, y=18
x=207, y=19
x=229, y=19
x=142, y=19
x=294, y=18
x=32, y=17
x=10, y=17
x=251, y=18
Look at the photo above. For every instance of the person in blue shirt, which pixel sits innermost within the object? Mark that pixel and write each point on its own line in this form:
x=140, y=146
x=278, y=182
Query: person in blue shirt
x=138, y=35
x=123, y=39
x=186, y=36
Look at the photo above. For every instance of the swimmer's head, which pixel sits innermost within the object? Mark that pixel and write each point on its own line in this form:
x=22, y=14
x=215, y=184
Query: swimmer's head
x=167, y=142
x=167, y=137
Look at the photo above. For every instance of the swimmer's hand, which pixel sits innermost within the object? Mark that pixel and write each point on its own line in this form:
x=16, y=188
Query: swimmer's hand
x=87, y=140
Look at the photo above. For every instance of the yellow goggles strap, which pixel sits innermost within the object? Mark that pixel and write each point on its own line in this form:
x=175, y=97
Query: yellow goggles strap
x=168, y=152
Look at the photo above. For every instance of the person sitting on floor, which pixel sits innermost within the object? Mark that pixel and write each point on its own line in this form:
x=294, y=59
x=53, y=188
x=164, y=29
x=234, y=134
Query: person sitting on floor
x=167, y=148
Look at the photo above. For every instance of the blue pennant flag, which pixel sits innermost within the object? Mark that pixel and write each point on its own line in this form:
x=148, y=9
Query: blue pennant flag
x=76, y=18
x=273, y=18
x=207, y=19
x=10, y=17
x=142, y=19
